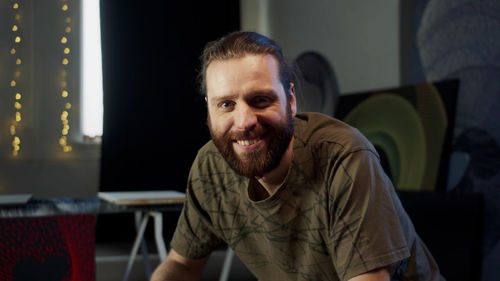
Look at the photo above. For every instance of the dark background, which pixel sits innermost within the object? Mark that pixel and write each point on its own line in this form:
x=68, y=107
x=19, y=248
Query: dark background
x=154, y=116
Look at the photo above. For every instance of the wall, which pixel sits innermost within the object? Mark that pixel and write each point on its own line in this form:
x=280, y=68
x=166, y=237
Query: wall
x=42, y=168
x=359, y=38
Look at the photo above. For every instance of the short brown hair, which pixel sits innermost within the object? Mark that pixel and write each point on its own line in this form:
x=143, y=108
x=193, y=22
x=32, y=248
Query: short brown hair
x=238, y=44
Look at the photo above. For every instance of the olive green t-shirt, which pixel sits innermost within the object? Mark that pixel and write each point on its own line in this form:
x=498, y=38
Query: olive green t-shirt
x=335, y=216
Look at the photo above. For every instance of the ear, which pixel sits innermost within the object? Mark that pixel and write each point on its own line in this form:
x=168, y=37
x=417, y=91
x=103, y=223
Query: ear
x=293, y=100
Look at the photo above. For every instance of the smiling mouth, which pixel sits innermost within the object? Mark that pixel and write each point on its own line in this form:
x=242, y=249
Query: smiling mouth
x=250, y=139
x=247, y=142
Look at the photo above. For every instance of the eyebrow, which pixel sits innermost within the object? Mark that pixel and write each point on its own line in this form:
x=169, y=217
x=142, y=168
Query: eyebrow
x=216, y=100
x=269, y=92
x=266, y=92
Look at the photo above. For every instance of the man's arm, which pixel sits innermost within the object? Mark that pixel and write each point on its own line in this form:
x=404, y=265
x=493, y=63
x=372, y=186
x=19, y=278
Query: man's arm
x=177, y=267
x=380, y=274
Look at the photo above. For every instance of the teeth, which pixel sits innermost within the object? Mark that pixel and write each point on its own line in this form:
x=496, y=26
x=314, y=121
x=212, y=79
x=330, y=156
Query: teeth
x=247, y=142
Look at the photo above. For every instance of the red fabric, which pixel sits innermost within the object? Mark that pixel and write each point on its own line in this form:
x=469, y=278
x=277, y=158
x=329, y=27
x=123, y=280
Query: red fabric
x=48, y=248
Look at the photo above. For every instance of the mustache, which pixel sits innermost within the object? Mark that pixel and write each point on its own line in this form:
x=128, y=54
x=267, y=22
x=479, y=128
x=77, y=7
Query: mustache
x=253, y=132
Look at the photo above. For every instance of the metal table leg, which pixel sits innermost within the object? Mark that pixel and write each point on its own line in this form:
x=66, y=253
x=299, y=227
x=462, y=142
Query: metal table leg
x=226, y=267
x=138, y=239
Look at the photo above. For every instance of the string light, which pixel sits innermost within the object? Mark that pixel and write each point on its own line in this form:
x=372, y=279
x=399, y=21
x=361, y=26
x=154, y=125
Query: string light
x=15, y=82
x=65, y=130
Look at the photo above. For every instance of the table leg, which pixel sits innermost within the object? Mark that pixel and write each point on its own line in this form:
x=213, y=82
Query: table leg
x=160, y=243
x=138, y=239
x=144, y=248
x=226, y=267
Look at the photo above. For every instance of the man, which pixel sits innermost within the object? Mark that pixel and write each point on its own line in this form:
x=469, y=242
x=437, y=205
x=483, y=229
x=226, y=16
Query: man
x=296, y=196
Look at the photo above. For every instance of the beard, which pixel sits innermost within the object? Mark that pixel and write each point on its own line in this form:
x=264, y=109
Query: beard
x=256, y=163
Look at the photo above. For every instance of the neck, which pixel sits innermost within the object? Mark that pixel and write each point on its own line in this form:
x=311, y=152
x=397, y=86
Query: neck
x=273, y=180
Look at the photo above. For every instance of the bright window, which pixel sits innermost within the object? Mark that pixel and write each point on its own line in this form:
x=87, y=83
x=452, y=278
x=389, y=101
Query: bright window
x=91, y=89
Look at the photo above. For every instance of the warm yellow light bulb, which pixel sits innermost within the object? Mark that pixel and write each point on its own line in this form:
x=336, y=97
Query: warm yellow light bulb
x=13, y=83
x=18, y=61
x=18, y=96
x=68, y=105
x=67, y=148
x=17, y=39
x=64, y=7
x=67, y=29
x=17, y=105
x=18, y=116
x=64, y=132
x=66, y=50
x=62, y=141
x=64, y=40
x=15, y=6
x=65, y=61
x=12, y=51
x=64, y=115
x=64, y=94
x=14, y=27
x=12, y=130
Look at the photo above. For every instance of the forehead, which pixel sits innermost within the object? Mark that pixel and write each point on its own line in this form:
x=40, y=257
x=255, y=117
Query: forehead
x=240, y=75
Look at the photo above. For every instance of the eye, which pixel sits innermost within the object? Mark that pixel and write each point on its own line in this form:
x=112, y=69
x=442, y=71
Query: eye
x=261, y=101
x=226, y=105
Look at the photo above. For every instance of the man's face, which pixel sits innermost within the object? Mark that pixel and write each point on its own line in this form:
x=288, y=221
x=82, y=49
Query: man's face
x=250, y=119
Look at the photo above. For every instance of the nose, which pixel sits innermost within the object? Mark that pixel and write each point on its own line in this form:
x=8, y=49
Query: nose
x=245, y=117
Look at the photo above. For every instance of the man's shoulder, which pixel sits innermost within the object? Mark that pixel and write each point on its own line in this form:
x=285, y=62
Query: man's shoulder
x=208, y=148
x=209, y=153
x=313, y=129
x=210, y=166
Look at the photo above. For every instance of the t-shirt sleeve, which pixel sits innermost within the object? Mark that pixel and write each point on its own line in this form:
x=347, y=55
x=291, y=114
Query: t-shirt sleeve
x=365, y=231
x=194, y=236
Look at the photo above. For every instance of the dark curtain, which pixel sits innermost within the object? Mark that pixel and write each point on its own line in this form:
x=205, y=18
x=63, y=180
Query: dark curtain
x=154, y=116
